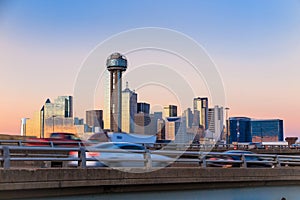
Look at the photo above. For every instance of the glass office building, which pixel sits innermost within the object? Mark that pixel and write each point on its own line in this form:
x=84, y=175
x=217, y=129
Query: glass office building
x=266, y=130
x=143, y=107
x=56, y=116
x=239, y=129
x=244, y=129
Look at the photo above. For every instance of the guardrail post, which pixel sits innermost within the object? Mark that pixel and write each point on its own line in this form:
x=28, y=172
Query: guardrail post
x=6, y=157
x=244, y=162
x=204, y=164
x=278, y=163
x=82, y=157
x=20, y=143
x=148, y=160
x=51, y=144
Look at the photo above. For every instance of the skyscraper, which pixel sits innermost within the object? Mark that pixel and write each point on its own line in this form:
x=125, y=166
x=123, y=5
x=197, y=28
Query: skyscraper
x=158, y=115
x=23, y=126
x=216, y=121
x=116, y=64
x=188, y=114
x=170, y=111
x=161, y=129
x=106, y=109
x=57, y=116
x=142, y=123
x=33, y=125
x=62, y=106
x=155, y=118
x=201, y=105
x=175, y=129
x=239, y=129
x=52, y=117
x=94, y=118
x=143, y=107
x=129, y=109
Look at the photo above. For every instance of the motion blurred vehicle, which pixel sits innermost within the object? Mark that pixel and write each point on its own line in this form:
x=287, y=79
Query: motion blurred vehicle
x=59, y=140
x=295, y=146
x=235, y=155
x=221, y=161
x=122, y=158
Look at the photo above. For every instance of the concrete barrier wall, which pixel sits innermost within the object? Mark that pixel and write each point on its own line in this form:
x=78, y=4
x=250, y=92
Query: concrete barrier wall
x=21, y=183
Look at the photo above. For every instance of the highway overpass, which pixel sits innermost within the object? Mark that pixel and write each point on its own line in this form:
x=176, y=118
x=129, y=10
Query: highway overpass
x=22, y=183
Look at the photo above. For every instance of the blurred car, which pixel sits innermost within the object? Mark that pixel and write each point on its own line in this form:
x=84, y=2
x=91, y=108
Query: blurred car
x=228, y=158
x=221, y=161
x=121, y=158
x=295, y=146
x=58, y=139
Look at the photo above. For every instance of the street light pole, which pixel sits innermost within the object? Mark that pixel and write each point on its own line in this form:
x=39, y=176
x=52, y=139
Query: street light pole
x=261, y=135
x=53, y=116
x=227, y=124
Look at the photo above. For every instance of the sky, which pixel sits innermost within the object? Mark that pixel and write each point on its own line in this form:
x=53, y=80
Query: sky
x=255, y=45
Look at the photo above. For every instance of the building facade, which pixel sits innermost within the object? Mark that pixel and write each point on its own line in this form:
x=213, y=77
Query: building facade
x=270, y=130
x=201, y=111
x=129, y=109
x=188, y=114
x=143, y=107
x=243, y=129
x=170, y=111
x=175, y=129
x=161, y=129
x=94, y=118
x=216, y=121
x=142, y=123
x=56, y=116
x=106, y=109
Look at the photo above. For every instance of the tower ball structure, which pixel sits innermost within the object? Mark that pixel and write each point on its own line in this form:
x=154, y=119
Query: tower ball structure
x=116, y=64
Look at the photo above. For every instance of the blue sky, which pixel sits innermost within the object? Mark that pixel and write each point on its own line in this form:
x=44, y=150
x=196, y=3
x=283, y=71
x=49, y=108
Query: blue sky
x=255, y=44
x=227, y=22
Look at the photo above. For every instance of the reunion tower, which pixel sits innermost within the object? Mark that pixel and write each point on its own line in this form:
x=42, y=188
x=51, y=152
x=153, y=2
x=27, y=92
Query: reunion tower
x=116, y=64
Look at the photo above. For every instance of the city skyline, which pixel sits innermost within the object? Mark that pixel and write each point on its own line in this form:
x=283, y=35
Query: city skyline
x=179, y=128
x=258, y=61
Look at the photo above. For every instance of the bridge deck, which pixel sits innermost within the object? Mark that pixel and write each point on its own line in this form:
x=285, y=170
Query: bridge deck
x=21, y=183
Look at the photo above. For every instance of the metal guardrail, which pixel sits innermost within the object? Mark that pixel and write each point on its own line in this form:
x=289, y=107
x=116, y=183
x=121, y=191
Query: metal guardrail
x=40, y=143
x=203, y=159
x=176, y=146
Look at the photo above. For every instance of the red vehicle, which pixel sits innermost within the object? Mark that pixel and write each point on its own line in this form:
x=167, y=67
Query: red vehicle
x=56, y=139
